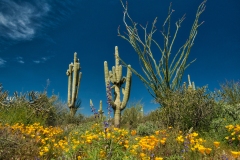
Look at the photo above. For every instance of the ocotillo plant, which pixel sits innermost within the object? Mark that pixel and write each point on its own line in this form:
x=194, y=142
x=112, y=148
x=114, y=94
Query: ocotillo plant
x=164, y=75
x=74, y=78
x=115, y=77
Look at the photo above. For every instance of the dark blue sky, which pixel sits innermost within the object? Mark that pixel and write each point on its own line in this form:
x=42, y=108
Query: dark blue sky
x=38, y=39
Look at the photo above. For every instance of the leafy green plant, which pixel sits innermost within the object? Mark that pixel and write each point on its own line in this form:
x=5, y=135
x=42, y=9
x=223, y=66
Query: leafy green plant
x=231, y=97
x=228, y=106
x=154, y=116
x=188, y=108
x=146, y=129
x=231, y=92
x=20, y=114
x=30, y=107
x=132, y=115
x=62, y=115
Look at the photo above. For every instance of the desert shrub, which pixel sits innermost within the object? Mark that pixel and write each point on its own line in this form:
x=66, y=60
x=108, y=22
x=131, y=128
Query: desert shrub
x=132, y=115
x=231, y=92
x=227, y=114
x=19, y=114
x=65, y=118
x=14, y=147
x=61, y=115
x=185, y=108
x=154, y=116
x=231, y=97
x=28, y=108
x=146, y=129
x=228, y=106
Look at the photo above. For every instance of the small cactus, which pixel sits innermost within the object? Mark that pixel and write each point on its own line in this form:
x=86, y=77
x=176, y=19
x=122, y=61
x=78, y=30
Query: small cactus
x=115, y=77
x=100, y=111
x=74, y=78
x=191, y=86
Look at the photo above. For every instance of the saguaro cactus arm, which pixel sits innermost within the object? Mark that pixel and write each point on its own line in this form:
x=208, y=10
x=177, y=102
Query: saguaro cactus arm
x=126, y=90
x=118, y=71
x=79, y=79
x=69, y=74
x=108, y=75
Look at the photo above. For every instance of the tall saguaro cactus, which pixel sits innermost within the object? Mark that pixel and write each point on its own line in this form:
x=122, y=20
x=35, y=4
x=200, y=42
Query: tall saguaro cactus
x=115, y=77
x=74, y=78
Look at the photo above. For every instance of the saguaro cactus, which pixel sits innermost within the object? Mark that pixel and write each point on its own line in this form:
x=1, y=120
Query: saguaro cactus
x=115, y=77
x=100, y=111
x=74, y=78
x=191, y=86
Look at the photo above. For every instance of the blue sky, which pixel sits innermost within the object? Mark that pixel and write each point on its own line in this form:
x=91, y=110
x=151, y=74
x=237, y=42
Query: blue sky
x=38, y=39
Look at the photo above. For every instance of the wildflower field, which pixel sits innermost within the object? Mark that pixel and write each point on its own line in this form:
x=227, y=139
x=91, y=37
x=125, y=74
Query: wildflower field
x=195, y=124
x=98, y=142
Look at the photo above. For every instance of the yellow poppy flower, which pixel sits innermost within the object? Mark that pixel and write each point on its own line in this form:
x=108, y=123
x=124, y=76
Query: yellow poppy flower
x=216, y=144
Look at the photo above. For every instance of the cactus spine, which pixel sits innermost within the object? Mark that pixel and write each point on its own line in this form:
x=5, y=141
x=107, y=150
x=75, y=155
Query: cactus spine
x=115, y=77
x=74, y=78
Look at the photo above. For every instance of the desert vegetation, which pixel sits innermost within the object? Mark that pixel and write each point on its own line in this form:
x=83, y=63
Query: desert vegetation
x=191, y=122
x=203, y=125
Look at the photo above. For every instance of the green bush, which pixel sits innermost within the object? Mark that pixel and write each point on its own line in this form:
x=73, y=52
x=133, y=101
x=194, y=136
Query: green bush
x=231, y=92
x=146, y=129
x=231, y=96
x=132, y=115
x=20, y=114
x=33, y=107
x=228, y=106
x=185, y=108
x=61, y=115
x=154, y=116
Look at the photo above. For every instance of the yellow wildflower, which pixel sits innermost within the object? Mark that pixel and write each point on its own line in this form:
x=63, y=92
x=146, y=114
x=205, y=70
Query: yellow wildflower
x=216, y=144
x=133, y=132
x=142, y=154
x=180, y=139
x=235, y=154
x=202, y=149
x=162, y=142
x=208, y=150
x=41, y=153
